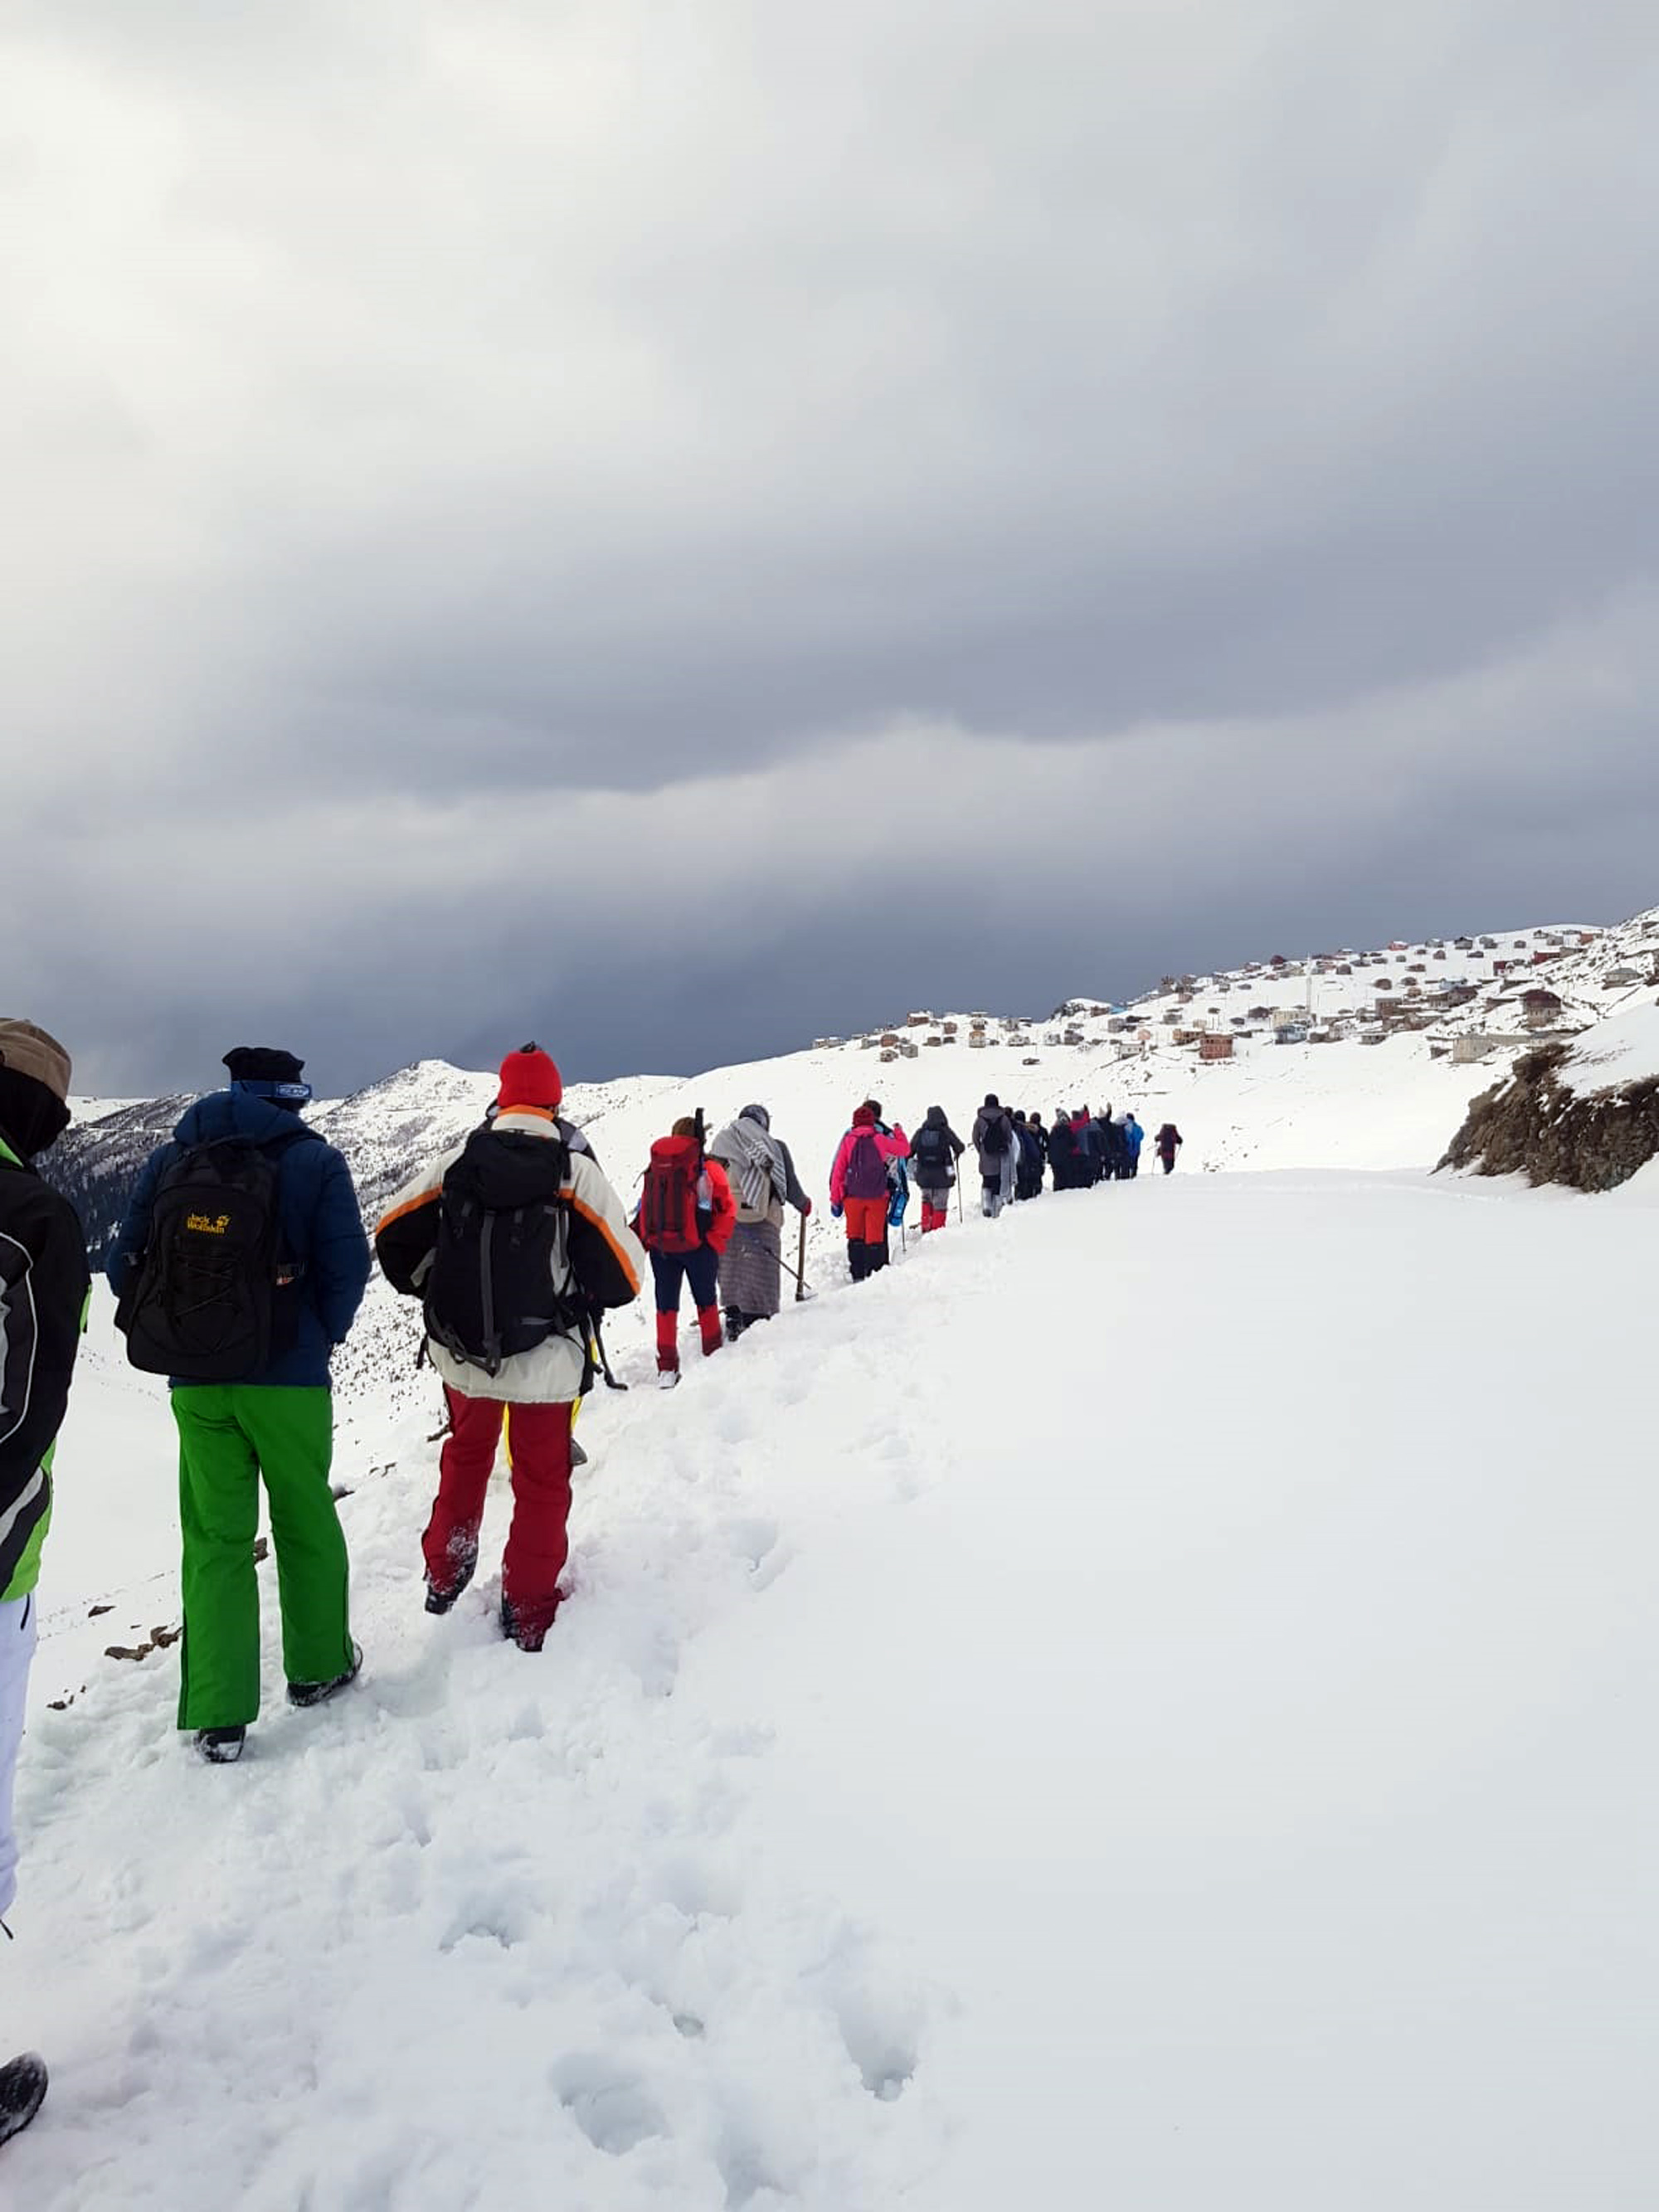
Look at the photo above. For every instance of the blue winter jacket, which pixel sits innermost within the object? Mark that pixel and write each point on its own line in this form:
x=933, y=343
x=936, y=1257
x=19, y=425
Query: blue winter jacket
x=319, y=1224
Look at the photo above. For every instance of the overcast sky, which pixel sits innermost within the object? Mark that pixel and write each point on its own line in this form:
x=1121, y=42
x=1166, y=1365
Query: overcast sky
x=672, y=528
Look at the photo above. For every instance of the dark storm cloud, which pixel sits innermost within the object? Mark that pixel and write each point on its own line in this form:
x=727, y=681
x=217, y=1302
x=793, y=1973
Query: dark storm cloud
x=713, y=523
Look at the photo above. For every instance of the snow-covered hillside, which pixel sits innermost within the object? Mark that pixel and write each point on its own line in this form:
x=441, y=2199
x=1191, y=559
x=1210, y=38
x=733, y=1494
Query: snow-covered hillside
x=1102, y=1715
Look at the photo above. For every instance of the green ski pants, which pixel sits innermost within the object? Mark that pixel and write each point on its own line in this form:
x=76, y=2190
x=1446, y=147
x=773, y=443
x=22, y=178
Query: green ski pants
x=229, y=1435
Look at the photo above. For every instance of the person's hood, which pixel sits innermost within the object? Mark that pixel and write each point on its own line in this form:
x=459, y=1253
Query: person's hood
x=757, y=1113
x=224, y=1113
x=936, y=1119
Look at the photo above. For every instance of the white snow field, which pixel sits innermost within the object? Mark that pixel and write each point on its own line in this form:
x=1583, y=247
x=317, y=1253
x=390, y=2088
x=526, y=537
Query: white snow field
x=1150, y=1704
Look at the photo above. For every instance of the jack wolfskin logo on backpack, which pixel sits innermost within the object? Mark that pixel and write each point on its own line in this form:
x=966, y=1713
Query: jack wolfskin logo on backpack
x=200, y=1305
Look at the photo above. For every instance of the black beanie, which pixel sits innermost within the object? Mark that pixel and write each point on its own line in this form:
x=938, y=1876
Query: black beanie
x=263, y=1063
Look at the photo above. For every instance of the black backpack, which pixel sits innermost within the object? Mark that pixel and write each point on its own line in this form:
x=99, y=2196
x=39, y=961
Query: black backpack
x=202, y=1303
x=502, y=1281
x=932, y=1148
x=993, y=1137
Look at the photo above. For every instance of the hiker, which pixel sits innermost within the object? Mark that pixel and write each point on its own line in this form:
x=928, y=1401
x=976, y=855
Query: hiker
x=1036, y=1151
x=1088, y=1154
x=1169, y=1142
x=994, y=1141
x=859, y=1188
x=237, y=1271
x=898, y=1183
x=934, y=1150
x=1113, y=1152
x=1021, y=1158
x=1062, y=1152
x=1133, y=1139
x=44, y=1284
x=762, y=1173
x=511, y=1319
x=898, y=1186
x=684, y=1220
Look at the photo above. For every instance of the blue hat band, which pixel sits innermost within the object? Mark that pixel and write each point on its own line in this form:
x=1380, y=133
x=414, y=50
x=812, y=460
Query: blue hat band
x=259, y=1086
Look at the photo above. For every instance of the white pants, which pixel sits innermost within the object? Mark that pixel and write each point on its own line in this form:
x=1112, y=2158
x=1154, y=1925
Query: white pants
x=17, y=1629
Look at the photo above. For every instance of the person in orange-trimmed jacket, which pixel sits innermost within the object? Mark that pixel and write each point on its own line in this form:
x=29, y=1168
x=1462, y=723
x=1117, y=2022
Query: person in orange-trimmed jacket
x=515, y=1244
x=685, y=1218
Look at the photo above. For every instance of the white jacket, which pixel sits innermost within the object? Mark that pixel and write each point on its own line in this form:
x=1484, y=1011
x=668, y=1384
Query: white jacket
x=600, y=1241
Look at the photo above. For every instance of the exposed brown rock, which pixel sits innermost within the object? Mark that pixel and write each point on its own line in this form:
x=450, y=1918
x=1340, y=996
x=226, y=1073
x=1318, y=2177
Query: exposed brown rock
x=1534, y=1126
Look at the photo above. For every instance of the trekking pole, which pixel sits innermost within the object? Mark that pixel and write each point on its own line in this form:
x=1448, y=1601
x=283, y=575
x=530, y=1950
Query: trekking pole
x=799, y=1271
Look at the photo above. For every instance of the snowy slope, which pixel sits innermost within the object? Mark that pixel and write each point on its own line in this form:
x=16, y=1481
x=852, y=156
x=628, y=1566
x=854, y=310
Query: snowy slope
x=1622, y=1048
x=1104, y=1715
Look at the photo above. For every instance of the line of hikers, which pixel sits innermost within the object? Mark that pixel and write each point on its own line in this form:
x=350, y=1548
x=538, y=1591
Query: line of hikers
x=238, y=1268
x=869, y=1185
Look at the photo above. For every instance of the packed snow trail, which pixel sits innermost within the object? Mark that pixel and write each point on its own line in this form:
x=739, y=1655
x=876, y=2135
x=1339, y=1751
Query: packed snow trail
x=1148, y=1702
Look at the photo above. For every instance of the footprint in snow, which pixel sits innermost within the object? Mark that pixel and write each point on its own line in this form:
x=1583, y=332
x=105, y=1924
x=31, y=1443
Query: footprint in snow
x=616, y=2111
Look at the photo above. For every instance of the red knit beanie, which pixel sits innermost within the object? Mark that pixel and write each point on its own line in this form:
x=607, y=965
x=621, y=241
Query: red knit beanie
x=528, y=1079
x=865, y=1118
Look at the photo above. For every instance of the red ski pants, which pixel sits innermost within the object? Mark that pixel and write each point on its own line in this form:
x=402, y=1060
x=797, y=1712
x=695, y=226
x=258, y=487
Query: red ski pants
x=867, y=1220
x=536, y=1543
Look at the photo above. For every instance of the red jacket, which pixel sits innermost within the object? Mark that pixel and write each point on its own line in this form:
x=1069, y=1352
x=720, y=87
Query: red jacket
x=722, y=1207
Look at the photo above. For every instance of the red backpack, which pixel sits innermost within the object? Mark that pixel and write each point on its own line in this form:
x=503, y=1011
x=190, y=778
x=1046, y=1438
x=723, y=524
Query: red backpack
x=668, y=1210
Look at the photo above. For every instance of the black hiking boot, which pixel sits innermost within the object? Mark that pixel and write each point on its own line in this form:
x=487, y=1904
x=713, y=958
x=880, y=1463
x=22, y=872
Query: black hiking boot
x=440, y=1600
x=22, y=2093
x=516, y=1633
x=317, y=1693
x=220, y=1746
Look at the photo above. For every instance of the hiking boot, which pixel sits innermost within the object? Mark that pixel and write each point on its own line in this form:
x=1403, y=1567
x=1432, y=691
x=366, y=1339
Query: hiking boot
x=317, y=1693
x=440, y=1600
x=520, y=1633
x=22, y=2092
x=220, y=1746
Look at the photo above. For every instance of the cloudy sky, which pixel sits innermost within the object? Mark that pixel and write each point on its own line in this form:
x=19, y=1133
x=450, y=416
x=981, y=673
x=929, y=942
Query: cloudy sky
x=672, y=527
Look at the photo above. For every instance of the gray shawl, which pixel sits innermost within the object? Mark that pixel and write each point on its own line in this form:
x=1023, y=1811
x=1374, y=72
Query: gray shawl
x=753, y=1158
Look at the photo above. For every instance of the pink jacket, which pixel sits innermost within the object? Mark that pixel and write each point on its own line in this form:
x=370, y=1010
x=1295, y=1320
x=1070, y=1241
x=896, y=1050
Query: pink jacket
x=896, y=1147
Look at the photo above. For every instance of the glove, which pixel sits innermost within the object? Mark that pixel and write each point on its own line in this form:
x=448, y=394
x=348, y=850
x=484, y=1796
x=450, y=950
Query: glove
x=806, y=1211
x=835, y=1210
